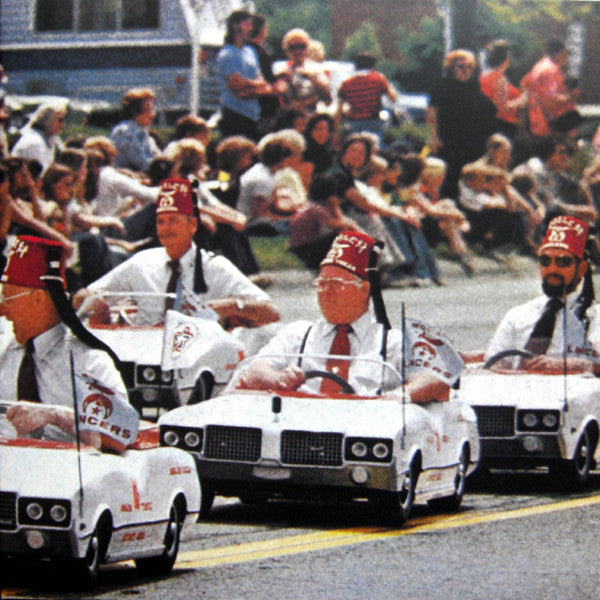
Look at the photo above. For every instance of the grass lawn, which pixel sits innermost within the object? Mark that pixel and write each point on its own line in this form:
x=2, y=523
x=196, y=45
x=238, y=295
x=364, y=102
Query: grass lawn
x=273, y=255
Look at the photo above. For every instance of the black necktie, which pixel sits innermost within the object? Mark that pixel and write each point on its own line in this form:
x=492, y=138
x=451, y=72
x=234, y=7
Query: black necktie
x=172, y=284
x=539, y=340
x=27, y=388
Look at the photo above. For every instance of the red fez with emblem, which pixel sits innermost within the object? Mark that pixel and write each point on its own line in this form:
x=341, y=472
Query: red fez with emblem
x=175, y=196
x=33, y=261
x=351, y=250
x=567, y=233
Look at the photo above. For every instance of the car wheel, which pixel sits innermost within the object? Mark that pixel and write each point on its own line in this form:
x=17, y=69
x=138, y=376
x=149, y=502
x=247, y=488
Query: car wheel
x=452, y=503
x=84, y=571
x=162, y=565
x=207, y=497
x=394, y=508
x=574, y=473
x=202, y=389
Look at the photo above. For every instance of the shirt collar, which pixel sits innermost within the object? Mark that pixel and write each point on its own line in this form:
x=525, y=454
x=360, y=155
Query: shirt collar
x=45, y=342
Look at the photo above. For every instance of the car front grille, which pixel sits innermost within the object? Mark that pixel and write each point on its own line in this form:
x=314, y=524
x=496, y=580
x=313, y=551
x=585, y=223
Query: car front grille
x=233, y=443
x=495, y=421
x=311, y=448
x=8, y=510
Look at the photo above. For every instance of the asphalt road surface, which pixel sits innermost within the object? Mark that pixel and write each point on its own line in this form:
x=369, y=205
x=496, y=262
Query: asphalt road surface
x=515, y=537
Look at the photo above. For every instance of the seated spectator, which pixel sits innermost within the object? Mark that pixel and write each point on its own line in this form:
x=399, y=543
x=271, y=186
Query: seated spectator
x=131, y=137
x=442, y=217
x=319, y=136
x=40, y=138
x=268, y=208
x=315, y=225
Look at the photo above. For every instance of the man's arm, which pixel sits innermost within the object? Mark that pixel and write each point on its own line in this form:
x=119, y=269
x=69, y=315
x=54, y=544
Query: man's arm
x=243, y=311
x=425, y=388
x=260, y=375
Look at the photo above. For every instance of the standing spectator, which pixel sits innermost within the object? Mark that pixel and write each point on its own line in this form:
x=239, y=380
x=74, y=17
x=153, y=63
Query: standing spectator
x=460, y=117
x=551, y=102
x=240, y=79
x=507, y=98
x=131, y=137
x=40, y=138
x=307, y=81
x=269, y=104
x=360, y=96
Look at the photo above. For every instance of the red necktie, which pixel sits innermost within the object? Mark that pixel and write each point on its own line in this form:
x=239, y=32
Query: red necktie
x=340, y=345
x=27, y=388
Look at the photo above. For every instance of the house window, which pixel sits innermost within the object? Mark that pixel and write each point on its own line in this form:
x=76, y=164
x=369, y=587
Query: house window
x=140, y=15
x=96, y=15
x=54, y=15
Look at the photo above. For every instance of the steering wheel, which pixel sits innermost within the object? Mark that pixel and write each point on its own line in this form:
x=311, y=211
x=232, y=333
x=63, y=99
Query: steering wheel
x=346, y=387
x=492, y=360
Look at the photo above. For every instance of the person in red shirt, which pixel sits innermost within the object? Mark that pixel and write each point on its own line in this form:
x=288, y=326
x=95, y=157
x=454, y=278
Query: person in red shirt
x=361, y=94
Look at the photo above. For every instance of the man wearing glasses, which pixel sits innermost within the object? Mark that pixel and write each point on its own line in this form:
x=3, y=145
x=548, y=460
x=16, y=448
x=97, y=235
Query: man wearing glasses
x=541, y=326
x=347, y=326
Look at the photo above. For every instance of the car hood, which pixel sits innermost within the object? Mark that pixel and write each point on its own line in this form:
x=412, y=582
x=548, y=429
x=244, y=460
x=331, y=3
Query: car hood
x=46, y=469
x=248, y=409
x=526, y=390
x=142, y=345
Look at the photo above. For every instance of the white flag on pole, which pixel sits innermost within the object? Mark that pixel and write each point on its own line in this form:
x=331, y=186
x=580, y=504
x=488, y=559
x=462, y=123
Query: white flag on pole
x=429, y=350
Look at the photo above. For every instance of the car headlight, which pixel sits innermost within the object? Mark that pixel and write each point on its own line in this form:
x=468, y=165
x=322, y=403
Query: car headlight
x=530, y=420
x=192, y=439
x=368, y=449
x=170, y=438
x=34, y=511
x=359, y=449
x=166, y=376
x=58, y=513
x=539, y=420
x=149, y=374
x=44, y=512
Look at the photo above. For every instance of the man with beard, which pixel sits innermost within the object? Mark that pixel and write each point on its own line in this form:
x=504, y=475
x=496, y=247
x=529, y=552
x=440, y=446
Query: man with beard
x=540, y=326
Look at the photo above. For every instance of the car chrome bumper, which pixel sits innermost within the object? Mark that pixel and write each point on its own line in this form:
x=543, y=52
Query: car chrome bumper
x=532, y=448
x=354, y=479
x=52, y=543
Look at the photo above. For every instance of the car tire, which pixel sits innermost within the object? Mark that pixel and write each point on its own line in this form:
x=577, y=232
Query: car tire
x=452, y=503
x=202, y=388
x=575, y=472
x=84, y=571
x=394, y=508
x=207, y=497
x=163, y=564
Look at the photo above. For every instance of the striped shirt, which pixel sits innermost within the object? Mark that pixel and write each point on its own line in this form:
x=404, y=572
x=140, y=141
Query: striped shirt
x=363, y=92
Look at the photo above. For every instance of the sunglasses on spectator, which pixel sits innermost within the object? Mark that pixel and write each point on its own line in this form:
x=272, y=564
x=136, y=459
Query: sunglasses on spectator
x=464, y=66
x=560, y=261
x=297, y=47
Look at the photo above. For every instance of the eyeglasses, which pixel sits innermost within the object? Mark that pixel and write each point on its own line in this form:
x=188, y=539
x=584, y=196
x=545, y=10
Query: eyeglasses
x=561, y=262
x=297, y=47
x=322, y=283
x=4, y=298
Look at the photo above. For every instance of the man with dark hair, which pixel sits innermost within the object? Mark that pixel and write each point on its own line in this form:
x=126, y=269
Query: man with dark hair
x=552, y=105
x=240, y=79
x=360, y=96
x=541, y=326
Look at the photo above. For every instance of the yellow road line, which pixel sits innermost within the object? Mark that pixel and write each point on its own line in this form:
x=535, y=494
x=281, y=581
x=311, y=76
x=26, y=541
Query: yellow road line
x=323, y=540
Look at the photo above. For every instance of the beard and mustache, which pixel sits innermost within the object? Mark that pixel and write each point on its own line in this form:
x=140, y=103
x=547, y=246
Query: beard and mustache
x=558, y=290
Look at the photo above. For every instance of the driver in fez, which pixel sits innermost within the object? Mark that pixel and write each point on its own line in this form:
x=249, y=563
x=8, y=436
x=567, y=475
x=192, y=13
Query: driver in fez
x=347, y=326
x=193, y=277
x=541, y=327
x=50, y=350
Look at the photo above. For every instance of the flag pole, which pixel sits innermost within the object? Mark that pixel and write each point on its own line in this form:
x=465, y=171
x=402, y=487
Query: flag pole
x=403, y=374
x=77, y=432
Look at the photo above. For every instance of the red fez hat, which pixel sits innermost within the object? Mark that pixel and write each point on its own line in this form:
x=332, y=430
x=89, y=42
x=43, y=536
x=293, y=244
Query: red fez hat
x=175, y=196
x=351, y=250
x=567, y=233
x=33, y=260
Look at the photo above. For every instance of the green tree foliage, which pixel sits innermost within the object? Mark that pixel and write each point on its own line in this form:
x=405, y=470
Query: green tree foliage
x=314, y=16
x=364, y=39
x=421, y=55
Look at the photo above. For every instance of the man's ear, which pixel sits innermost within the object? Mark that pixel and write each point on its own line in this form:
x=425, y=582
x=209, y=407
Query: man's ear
x=582, y=269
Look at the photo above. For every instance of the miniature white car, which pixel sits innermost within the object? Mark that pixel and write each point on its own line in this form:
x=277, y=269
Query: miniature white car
x=83, y=508
x=154, y=387
x=263, y=444
x=529, y=419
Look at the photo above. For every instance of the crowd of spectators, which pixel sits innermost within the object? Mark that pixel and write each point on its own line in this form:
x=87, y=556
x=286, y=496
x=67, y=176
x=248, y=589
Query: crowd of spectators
x=284, y=161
